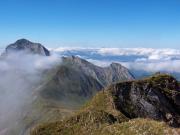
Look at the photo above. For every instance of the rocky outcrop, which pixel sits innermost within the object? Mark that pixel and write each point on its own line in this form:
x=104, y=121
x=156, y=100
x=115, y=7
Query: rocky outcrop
x=156, y=97
x=27, y=47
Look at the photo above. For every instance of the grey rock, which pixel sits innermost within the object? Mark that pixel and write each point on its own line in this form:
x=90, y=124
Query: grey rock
x=156, y=97
x=26, y=46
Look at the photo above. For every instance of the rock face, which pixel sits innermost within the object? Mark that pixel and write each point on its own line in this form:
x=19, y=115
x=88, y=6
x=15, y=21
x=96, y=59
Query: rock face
x=28, y=47
x=157, y=97
x=125, y=108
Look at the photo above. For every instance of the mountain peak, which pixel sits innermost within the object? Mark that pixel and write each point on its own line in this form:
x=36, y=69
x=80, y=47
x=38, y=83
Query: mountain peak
x=28, y=47
x=22, y=41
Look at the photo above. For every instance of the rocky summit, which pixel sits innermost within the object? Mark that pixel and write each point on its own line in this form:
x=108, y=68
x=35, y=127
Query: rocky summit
x=148, y=106
x=28, y=47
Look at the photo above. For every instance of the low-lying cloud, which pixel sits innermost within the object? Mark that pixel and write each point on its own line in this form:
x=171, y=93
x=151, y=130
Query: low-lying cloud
x=164, y=66
x=147, y=59
x=20, y=74
x=146, y=52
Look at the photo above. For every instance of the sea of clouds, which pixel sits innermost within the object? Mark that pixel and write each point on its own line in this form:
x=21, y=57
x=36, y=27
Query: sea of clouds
x=145, y=59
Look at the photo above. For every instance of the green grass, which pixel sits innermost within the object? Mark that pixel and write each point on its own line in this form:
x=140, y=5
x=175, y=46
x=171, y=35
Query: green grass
x=139, y=127
x=104, y=101
x=101, y=123
x=83, y=122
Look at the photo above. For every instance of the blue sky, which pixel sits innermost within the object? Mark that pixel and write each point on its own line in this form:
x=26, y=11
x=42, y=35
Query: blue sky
x=94, y=23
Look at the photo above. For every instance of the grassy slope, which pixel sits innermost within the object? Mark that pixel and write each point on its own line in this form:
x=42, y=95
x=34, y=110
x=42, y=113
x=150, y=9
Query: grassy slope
x=139, y=127
x=95, y=115
x=99, y=116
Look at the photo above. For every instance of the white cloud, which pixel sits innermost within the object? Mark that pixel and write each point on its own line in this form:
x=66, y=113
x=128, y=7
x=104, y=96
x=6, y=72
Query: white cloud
x=150, y=53
x=99, y=62
x=167, y=66
x=147, y=59
x=63, y=49
x=156, y=66
x=20, y=74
